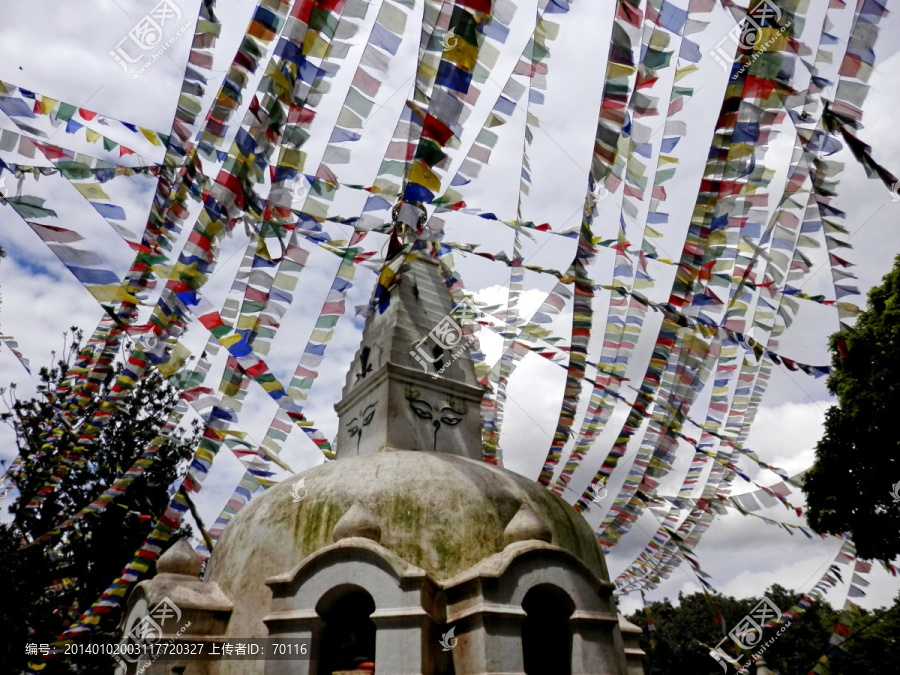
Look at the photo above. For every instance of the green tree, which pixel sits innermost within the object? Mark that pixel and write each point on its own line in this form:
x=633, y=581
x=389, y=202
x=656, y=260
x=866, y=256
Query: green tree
x=675, y=648
x=874, y=645
x=849, y=488
x=50, y=583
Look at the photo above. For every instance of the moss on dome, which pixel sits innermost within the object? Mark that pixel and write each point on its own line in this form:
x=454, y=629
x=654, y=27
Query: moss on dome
x=442, y=513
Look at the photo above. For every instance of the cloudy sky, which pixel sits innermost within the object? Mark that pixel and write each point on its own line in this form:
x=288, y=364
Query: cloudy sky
x=65, y=55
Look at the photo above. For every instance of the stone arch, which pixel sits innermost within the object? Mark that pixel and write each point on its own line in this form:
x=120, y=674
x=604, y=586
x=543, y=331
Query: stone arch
x=550, y=565
x=548, y=609
x=592, y=620
x=402, y=604
x=348, y=634
x=490, y=606
x=358, y=562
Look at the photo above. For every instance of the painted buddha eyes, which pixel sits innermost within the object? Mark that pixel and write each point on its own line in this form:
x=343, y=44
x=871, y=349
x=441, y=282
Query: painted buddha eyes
x=446, y=416
x=450, y=417
x=368, y=414
x=421, y=409
x=355, y=427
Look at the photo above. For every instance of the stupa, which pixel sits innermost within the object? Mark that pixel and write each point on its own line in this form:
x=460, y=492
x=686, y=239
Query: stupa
x=408, y=551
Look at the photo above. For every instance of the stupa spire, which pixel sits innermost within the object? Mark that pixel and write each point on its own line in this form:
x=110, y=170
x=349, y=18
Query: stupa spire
x=412, y=385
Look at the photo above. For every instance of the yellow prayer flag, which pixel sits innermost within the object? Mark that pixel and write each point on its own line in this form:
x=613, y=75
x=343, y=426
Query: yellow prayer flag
x=274, y=457
x=618, y=70
x=274, y=72
x=111, y=293
x=463, y=55
x=422, y=175
x=687, y=70
x=295, y=159
x=247, y=322
x=739, y=150
x=771, y=39
x=547, y=30
x=314, y=46
x=230, y=340
x=150, y=136
x=177, y=358
x=48, y=104
x=91, y=191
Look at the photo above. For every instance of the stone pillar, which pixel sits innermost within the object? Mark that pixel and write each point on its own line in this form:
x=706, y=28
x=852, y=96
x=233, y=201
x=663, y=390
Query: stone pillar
x=631, y=641
x=401, y=642
x=488, y=640
x=175, y=605
x=305, y=625
x=594, y=645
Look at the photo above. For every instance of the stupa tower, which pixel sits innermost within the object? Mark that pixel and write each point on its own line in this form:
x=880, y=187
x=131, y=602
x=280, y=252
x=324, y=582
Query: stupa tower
x=408, y=553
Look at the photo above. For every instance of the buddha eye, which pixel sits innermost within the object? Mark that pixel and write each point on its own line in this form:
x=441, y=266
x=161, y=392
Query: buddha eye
x=451, y=417
x=353, y=427
x=368, y=414
x=421, y=409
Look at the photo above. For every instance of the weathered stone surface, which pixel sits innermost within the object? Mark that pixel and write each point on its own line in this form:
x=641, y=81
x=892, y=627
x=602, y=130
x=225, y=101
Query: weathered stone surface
x=439, y=512
x=401, y=394
x=449, y=550
x=525, y=525
x=357, y=522
x=180, y=559
x=631, y=641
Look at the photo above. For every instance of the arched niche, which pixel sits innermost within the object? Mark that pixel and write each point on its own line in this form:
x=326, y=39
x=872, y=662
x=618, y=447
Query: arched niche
x=496, y=602
x=592, y=621
x=548, y=609
x=360, y=577
x=348, y=634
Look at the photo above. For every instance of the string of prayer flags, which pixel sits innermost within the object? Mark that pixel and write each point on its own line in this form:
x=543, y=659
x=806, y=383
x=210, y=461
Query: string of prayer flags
x=139, y=277
x=302, y=380
x=243, y=159
x=21, y=104
x=251, y=364
x=440, y=122
x=582, y=324
x=13, y=346
x=622, y=512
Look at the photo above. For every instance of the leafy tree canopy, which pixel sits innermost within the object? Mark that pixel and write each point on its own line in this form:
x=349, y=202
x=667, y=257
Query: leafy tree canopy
x=673, y=645
x=49, y=583
x=850, y=487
